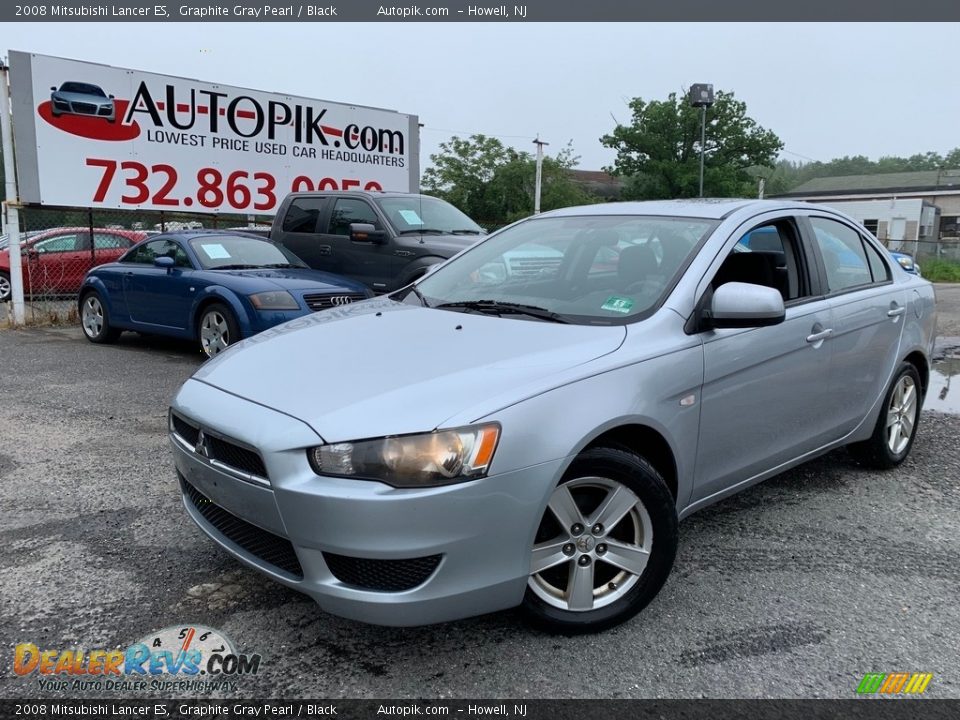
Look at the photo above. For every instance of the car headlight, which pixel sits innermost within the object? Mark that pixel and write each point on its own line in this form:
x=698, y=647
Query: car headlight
x=905, y=262
x=274, y=300
x=437, y=458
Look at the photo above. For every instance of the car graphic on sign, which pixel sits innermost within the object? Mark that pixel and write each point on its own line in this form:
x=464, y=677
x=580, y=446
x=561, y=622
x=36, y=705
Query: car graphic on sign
x=80, y=98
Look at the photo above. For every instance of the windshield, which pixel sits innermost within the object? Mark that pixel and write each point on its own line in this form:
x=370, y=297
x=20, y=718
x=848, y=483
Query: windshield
x=588, y=270
x=233, y=252
x=81, y=88
x=421, y=213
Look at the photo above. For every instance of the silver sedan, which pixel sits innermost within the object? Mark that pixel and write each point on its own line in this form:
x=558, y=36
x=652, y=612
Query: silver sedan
x=508, y=433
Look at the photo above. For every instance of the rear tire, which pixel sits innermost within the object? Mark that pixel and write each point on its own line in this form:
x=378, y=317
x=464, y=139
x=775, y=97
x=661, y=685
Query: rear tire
x=95, y=320
x=605, y=545
x=217, y=329
x=896, y=427
x=5, y=287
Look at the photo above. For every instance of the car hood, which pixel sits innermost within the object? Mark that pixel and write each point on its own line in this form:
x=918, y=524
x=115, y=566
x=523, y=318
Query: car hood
x=385, y=368
x=285, y=279
x=448, y=245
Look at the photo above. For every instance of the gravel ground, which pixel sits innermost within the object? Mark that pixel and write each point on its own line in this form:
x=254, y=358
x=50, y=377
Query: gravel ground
x=794, y=588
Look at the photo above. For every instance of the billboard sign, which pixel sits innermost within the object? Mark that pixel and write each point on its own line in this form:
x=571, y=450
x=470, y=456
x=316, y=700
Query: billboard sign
x=90, y=135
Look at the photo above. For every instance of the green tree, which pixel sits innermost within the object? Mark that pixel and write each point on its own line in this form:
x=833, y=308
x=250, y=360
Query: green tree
x=494, y=184
x=658, y=153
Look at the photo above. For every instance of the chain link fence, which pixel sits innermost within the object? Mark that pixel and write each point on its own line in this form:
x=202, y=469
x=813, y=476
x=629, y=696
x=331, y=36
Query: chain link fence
x=59, y=245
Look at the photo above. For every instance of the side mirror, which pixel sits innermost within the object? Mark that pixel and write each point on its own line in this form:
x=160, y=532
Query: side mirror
x=164, y=261
x=54, y=88
x=111, y=97
x=365, y=232
x=743, y=305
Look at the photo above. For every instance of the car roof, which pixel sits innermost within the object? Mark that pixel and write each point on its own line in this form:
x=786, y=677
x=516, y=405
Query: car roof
x=709, y=208
x=365, y=193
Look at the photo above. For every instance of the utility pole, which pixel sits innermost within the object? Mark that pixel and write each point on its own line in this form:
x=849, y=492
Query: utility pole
x=536, y=193
x=12, y=203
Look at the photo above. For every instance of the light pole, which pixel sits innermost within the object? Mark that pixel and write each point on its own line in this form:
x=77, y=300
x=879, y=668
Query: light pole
x=536, y=192
x=701, y=96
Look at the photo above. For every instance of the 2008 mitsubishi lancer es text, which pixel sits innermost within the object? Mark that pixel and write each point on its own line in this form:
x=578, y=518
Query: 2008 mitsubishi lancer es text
x=506, y=433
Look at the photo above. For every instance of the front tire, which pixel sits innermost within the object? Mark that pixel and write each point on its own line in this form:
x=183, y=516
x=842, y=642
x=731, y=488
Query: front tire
x=896, y=427
x=605, y=545
x=95, y=320
x=217, y=329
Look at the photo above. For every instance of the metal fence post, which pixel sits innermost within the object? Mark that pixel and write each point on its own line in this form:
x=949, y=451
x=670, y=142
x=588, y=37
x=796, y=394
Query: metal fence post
x=12, y=204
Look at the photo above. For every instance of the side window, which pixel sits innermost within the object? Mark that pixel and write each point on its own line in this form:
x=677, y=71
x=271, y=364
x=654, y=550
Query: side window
x=843, y=254
x=350, y=210
x=878, y=268
x=303, y=215
x=148, y=252
x=108, y=241
x=768, y=255
x=58, y=244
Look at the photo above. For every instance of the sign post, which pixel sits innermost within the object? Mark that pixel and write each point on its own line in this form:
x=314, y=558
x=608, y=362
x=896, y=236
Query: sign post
x=12, y=203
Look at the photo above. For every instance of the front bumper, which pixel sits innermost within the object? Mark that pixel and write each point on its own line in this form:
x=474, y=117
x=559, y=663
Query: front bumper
x=479, y=533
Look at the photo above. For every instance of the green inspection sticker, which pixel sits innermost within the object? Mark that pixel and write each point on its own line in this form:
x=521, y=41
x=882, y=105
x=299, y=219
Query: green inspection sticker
x=617, y=304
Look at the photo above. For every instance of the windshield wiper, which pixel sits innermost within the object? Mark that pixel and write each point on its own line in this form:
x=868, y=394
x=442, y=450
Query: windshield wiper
x=466, y=232
x=284, y=265
x=495, y=307
x=235, y=267
x=421, y=231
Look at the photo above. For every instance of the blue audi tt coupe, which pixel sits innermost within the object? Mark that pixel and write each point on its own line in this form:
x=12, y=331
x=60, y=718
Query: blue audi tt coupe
x=213, y=287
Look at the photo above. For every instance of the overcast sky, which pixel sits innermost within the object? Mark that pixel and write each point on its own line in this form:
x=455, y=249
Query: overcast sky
x=826, y=89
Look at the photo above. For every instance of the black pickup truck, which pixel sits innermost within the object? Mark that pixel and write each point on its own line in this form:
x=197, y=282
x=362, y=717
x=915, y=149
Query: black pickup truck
x=385, y=240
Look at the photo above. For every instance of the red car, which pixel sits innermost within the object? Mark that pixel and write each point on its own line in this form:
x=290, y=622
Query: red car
x=56, y=261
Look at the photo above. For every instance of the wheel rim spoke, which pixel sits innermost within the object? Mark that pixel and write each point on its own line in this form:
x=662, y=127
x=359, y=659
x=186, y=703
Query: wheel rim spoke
x=631, y=558
x=580, y=587
x=614, y=507
x=892, y=418
x=548, y=555
x=564, y=508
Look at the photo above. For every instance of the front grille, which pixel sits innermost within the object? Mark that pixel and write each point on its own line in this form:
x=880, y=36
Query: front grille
x=219, y=449
x=235, y=456
x=185, y=430
x=319, y=301
x=381, y=575
x=270, y=548
x=105, y=110
x=85, y=108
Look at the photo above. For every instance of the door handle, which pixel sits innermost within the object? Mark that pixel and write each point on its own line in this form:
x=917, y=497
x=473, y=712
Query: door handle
x=323, y=250
x=818, y=336
x=894, y=312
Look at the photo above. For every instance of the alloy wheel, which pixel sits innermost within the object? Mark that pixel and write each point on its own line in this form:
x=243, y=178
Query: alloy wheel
x=901, y=415
x=593, y=545
x=5, y=288
x=92, y=316
x=214, y=333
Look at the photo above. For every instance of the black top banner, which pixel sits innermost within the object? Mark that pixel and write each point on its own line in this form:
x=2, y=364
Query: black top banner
x=394, y=709
x=439, y=11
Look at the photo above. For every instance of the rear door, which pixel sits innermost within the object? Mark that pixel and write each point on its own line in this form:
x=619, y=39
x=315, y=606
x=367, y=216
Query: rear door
x=762, y=399
x=868, y=310
x=299, y=231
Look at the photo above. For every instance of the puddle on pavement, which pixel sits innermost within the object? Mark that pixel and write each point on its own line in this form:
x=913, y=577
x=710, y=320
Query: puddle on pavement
x=944, y=392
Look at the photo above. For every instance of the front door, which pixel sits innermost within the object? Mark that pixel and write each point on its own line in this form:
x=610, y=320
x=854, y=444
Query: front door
x=761, y=401
x=371, y=263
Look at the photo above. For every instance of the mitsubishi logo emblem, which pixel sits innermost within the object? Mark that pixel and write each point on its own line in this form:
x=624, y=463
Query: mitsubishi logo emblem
x=201, y=446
